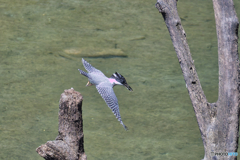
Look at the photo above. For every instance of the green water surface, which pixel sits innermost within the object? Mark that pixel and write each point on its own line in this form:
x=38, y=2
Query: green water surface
x=35, y=68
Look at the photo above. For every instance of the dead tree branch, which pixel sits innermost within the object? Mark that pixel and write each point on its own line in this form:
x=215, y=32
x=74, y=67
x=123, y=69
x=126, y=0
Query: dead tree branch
x=218, y=122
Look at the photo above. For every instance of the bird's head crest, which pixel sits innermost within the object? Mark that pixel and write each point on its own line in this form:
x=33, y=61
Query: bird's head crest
x=118, y=77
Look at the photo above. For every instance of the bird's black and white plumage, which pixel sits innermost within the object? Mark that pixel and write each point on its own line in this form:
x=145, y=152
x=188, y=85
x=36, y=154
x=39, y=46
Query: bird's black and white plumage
x=105, y=86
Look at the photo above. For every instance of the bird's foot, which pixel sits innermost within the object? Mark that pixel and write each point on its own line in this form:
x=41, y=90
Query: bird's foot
x=89, y=84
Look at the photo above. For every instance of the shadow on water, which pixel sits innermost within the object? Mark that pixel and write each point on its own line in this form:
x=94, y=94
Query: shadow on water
x=41, y=47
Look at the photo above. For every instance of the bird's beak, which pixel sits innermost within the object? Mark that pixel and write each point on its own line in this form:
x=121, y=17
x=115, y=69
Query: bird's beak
x=128, y=87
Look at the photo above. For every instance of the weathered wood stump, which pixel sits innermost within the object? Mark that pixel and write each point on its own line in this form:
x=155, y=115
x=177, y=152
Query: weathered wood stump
x=68, y=145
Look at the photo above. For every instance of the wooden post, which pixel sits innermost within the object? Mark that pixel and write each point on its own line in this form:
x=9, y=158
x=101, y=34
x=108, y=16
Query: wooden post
x=68, y=145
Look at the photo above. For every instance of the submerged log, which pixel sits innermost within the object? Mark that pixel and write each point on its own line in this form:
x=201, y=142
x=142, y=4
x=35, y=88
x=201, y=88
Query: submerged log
x=68, y=145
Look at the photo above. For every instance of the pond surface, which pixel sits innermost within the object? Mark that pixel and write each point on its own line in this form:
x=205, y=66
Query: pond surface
x=41, y=46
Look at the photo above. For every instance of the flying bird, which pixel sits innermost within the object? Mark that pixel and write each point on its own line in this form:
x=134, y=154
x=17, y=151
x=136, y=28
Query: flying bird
x=105, y=86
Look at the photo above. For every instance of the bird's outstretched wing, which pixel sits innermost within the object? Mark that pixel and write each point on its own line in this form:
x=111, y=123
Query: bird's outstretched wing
x=107, y=93
x=90, y=68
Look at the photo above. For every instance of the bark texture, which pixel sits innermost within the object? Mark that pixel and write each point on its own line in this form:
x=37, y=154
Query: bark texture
x=218, y=122
x=68, y=145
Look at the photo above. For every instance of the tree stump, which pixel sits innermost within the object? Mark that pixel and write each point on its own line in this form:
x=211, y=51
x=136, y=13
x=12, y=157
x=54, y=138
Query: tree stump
x=68, y=145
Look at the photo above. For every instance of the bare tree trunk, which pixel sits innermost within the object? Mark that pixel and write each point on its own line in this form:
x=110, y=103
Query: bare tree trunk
x=68, y=145
x=218, y=122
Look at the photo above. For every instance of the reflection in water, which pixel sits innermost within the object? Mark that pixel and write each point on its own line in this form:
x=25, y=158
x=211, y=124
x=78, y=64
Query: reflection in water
x=42, y=43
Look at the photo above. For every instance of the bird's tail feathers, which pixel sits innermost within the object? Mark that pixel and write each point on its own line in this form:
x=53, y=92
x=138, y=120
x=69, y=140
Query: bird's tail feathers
x=83, y=73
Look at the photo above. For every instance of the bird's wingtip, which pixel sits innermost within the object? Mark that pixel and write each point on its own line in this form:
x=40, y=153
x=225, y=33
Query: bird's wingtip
x=125, y=127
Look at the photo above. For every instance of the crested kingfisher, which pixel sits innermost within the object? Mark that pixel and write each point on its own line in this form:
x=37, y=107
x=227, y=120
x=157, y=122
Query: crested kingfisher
x=105, y=86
